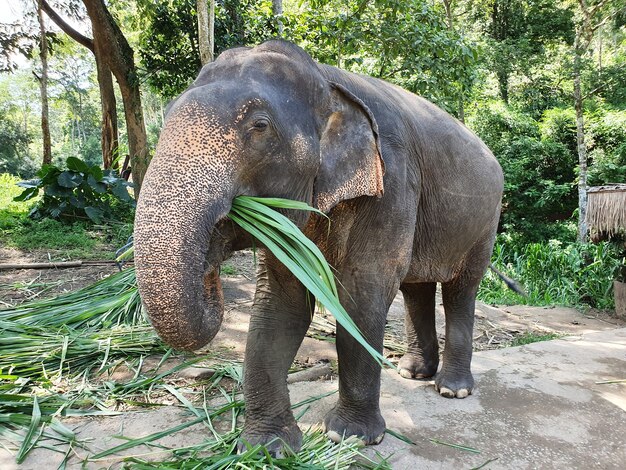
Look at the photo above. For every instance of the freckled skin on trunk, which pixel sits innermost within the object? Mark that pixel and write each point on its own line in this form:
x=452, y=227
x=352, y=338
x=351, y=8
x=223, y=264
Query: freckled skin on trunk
x=177, y=269
x=413, y=199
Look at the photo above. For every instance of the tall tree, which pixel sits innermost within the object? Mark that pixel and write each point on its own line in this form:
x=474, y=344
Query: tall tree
x=449, y=6
x=43, y=85
x=169, y=43
x=206, y=30
x=109, y=136
x=277, y=11
x=518, y=32
x=111, y=45
x=591, y=15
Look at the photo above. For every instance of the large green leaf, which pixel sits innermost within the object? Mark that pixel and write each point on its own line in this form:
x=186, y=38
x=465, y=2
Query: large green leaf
x=69, y=179
x=299, y=254
x=76, y=164
x=94, y=213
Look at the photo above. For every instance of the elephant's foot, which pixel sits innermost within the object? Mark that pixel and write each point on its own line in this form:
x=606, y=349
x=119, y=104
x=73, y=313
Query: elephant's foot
x=367, y=425
x=279, y=442
x=413, y=366
x=454, y=384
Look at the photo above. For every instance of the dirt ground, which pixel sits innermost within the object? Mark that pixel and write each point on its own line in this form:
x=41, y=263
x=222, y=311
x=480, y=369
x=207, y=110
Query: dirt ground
x=495, y=326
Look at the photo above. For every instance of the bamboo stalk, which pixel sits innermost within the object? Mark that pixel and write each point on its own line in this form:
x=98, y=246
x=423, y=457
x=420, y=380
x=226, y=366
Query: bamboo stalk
x=55, y=265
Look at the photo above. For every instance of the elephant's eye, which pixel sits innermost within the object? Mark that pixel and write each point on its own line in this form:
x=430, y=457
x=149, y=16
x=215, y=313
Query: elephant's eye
x=260, y=124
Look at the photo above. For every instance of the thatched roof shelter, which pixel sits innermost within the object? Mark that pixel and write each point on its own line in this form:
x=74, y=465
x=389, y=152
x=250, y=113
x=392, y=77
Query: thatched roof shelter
x=606, y=211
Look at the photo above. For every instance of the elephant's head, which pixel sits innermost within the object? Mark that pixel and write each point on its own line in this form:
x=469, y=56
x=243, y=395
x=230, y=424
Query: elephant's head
x=261, y=122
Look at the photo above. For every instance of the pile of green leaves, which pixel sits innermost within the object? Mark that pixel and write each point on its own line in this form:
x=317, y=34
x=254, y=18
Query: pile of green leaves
x=73, y=339
x=78, y=192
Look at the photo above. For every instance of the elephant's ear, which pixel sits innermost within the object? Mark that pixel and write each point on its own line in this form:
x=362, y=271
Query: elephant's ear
x=351, y=162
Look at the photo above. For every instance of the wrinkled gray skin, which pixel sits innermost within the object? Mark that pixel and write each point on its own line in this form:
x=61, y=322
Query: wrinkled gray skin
x=269, y=121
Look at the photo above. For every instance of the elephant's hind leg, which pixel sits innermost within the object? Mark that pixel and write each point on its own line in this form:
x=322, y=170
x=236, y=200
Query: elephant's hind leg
x=422, y=357
x=459, y=298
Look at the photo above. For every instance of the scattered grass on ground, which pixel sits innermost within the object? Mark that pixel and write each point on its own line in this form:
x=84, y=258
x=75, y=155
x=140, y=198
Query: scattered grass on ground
x=533, y=337
x=228, y=269
x=57, y=356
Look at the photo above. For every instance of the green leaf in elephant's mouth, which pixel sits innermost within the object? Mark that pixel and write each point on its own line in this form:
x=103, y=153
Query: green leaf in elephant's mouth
x=299, y=254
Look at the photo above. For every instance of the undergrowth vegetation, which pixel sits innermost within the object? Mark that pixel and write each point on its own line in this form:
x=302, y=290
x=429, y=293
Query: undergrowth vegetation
x=60, y=239
x=79, y=191
x=554, y=273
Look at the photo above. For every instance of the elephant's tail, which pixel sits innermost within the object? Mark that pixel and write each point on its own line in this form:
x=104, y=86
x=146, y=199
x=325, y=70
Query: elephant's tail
x=510, y=283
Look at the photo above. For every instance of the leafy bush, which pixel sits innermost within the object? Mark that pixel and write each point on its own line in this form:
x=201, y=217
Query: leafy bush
x=555, y=274
x=498, y=125
x=81, y=191
x=14, y=146
x=559, y=125
x=607, y=145
x=539, y=172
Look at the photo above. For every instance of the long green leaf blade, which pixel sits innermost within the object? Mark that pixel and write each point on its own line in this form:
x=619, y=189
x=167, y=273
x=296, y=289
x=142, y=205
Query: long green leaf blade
x=299, y=254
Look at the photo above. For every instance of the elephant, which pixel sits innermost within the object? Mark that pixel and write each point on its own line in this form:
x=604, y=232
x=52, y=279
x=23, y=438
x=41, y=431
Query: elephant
x=412, y=197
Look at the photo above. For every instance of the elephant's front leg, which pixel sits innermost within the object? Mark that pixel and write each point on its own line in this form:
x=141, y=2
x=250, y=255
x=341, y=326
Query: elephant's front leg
x=281, y=317
x=357, y=412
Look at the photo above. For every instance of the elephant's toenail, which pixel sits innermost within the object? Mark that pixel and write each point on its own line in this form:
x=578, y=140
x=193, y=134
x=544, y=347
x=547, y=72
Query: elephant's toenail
x=462, y=393
x=334, y=436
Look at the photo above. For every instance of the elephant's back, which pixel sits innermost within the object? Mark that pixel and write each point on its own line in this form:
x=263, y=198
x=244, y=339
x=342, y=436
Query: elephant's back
x=432, y=157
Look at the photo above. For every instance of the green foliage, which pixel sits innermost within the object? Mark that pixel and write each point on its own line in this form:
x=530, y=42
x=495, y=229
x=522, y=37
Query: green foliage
x=228, y=269
x=78, y=240
x=168, y=46
x=11, y=211
x=518, y=32
x=559, y=125
x=611, y=82
x=405, y=42
x=607, y=131
x=81, y=191
x=530, y=337
x=13, y=144
x=539, y=172
x=554, y=273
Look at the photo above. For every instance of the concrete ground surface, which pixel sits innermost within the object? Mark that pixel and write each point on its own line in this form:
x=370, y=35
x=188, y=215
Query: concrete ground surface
x=535, y=406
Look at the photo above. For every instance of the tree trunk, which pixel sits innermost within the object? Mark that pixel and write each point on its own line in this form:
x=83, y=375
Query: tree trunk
x=277, y=11
x=43, y=85
x=109, y=137
x=205, y=29
x=111, y=45
x=582, y=152
x=447, y=4
x=212, y=29
x=503, y=85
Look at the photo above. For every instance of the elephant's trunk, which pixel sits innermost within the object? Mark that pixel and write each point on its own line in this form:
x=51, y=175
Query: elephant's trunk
x=179, y=205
